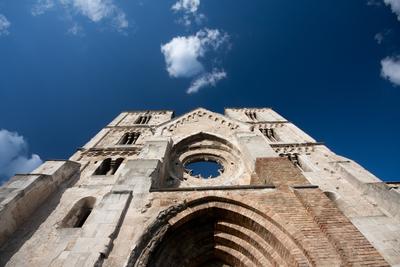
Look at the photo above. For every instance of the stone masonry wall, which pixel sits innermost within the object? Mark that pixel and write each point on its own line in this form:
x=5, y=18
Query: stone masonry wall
x=272, y=213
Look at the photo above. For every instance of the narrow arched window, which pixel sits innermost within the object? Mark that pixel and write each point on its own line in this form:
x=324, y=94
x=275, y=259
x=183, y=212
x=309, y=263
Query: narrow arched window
x=143, y=119
x=108, y=166
x=129, y=138
x=252, y=115
x=294, y=158
x=79, y=213
x=269, y=133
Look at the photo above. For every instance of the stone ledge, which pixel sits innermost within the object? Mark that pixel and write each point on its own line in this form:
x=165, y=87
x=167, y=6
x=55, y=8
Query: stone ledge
x=283, y=144
x=214, y=188
x=21, y=196
x=304, y=186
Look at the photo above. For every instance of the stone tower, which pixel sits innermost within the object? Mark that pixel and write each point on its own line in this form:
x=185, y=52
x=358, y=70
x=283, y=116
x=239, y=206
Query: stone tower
x=130, y=198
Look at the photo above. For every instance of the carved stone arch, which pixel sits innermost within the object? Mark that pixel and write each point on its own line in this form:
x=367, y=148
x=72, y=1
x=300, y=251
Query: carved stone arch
x=217, y=230
x=78, y=214
x=205, y=146
x=199, y=116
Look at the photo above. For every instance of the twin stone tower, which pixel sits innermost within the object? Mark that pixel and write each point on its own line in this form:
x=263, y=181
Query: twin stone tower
x=130, y=197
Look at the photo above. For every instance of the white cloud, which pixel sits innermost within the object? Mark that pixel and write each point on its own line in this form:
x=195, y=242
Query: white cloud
x=4, y=25
x=14, y=157
x=181, y=56
x=189, y=8
x=41, y=6
x=120, y=22
x=95, y=10
x=395, y=6
x=207, y=79
x=186, y=6
x=390, y=69
x=182, y=53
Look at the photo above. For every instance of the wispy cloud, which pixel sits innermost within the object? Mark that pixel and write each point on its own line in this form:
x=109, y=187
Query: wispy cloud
x=189, y=9
x=76, y=30
x=205, y=80
x=41, y=6
x=187, y=5
x=381, y=37
x=374, y=3
x=390, y=69
x=95, y=10
x=14, y=157
x=395, y=6
x=4, y=25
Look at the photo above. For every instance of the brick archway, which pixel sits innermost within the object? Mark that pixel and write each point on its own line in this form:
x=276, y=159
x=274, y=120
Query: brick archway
x=214, y=231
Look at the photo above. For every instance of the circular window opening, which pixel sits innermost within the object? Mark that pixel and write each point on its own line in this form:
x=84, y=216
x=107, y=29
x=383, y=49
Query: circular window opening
x=205, y=169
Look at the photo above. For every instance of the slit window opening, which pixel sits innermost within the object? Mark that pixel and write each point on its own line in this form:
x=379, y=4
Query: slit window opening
x=129, y=138
x=143, y=119
x=108, y=166
x=269, y=133
x=252, y=115
x=294, y=158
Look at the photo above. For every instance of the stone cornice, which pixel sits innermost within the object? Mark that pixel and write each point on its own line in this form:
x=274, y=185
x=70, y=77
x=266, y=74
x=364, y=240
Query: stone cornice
x=136, y=126
x=295, y=147
x=249, y=108
x=161, y=111
x=112, y=151
x=266, y=122
x=207, y=188
x=297, y=144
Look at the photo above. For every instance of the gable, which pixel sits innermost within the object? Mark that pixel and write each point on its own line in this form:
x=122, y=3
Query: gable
x=201, y=120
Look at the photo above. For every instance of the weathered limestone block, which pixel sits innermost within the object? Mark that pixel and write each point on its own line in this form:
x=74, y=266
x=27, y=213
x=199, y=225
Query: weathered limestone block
x=385, y=197
x=350, y=244
x=253, y=147
x=24, y=193
x=354, y=173
x=98, y=233
x=155, y=148
x=138, y=175
x=97, y=138
x=383, y=233
x=374, y=189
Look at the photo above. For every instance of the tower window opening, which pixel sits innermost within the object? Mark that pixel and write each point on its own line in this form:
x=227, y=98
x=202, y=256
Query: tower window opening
x=294, y=158
x=129, y=138
x=108, y=166
x=143, y=119
x=79, y=213
x=84, y=214
x=252, y=115
x=269, y=133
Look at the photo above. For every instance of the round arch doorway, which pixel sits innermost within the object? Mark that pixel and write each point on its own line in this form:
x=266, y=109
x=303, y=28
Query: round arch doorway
x=217, y=232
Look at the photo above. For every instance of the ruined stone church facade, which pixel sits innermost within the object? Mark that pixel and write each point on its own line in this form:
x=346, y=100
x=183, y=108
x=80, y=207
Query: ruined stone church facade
x=128, y=198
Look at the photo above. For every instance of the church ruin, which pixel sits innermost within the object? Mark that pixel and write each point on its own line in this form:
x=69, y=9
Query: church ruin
x=132, y=196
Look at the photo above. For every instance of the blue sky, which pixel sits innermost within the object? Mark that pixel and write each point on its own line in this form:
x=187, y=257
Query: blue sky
x=67, y=67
